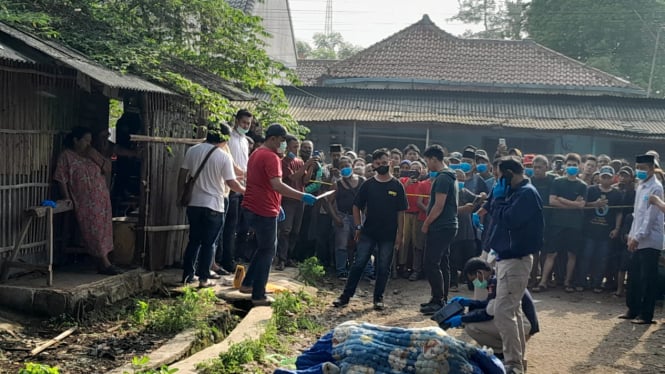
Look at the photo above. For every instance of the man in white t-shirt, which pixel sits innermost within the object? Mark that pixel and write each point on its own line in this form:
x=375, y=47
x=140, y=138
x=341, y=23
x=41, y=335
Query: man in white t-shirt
x=205, y=210
x=239, y=148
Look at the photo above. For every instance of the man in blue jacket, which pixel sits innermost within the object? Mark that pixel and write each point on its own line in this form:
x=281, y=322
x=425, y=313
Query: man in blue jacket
x=517, y=212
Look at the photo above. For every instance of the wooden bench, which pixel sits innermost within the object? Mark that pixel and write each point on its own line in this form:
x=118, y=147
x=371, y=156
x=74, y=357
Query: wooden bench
x=31, y=214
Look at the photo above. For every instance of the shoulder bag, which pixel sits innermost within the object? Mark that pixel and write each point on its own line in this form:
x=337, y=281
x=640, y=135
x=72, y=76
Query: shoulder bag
x=186, y=196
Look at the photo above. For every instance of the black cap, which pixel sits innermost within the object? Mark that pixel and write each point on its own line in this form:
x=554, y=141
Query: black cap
x=469, y=152
x=275, y=130
x=645, y=159
x=627, y=170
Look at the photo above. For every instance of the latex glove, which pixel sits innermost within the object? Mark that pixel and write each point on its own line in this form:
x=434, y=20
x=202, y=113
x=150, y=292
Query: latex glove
x=308, y=199
x=454, y=321
x=49, y=203
x=463, y=301
x=282, y=216
x=500, y=189
x=475, y=218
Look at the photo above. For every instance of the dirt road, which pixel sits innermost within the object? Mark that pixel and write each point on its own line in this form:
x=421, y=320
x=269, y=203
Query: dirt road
x=580, y=332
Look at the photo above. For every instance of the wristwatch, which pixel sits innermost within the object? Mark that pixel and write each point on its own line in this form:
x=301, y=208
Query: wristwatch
x=359, y=227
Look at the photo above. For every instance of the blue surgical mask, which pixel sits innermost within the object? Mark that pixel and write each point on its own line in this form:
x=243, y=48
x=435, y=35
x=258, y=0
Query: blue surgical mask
x=572, y=170
x=433, y=174
x=641, y=174
x=460, y=185
x=291, y=155
x=466, y=167
x=455, y=166
x=242, y=131
x=477, y=283
x=481, y=168
x=529, y=172
x=346, y=172
x=282, y=147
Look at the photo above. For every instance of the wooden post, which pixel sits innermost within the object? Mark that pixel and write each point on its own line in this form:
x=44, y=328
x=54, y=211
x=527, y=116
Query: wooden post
x=354, y=142
x=49, y=233
x=427, y=138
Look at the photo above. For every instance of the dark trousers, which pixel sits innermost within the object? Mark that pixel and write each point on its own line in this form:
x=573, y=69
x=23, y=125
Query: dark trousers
x=384, y=259
x=593, y=262
x=204, y=228
x=460, y=252
x=226, y=245
x=265, y=229
x=437, y=262
x=289, y=229
x=642, y=287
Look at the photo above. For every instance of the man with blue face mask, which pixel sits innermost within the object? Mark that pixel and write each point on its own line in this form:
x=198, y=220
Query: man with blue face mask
x=483, y=167
x=645, y=241
x=568, y=197
x=479, y=320
x=474, y=182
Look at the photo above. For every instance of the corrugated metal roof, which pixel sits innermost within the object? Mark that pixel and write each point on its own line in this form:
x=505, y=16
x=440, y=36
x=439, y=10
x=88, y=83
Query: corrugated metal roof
x=629, y=117
x=424, y=53
x=81, y=63
x=7, y=53
x=209, y=80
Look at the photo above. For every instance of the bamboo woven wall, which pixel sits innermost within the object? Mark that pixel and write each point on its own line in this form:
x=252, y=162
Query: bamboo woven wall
x=37, y=108
x=166, y=117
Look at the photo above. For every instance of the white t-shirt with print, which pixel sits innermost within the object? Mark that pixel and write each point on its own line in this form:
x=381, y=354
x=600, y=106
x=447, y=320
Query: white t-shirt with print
x=208, y=191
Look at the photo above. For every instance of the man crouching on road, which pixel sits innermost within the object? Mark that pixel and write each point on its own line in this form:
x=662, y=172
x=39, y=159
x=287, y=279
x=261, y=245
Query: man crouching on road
x=517, y=211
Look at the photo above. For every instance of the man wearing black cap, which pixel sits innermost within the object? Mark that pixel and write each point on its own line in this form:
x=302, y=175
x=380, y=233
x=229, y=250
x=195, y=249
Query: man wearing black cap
x=517, y=212
x=645, y=240
x=473, y=182
x=262, y=201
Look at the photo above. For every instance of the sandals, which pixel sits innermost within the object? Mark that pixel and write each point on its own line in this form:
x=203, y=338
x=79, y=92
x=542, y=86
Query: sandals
x=539, y=288
x=569, y=289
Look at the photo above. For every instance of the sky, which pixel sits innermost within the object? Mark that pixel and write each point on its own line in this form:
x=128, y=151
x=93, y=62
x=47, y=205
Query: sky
x=365, y=22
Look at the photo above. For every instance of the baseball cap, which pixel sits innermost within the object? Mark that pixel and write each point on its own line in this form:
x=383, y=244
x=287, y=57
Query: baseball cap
x=528, y=159
x=275, y=130
x=627, y=170
x=607, y=170
x=456, y=156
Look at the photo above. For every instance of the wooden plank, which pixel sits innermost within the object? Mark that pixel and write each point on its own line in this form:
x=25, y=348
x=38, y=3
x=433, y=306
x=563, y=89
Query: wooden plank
x=160, y=139
x=41, y=211
x=49, y=233
x=25, y=265
x=52, y=342
x=163, y=228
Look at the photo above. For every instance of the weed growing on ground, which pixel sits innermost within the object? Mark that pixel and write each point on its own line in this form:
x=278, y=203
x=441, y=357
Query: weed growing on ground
x=311, y=271
x=187, y=311
x=33, y=368
x=140, y=364
x=291, y=313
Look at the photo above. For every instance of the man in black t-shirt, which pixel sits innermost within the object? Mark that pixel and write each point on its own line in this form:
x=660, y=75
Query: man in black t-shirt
x=383, y=200
x=440, y=226
x=602, y=224
x=568, y=198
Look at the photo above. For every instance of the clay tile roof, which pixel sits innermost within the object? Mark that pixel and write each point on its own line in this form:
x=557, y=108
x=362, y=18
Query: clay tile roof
x=424, y=52
x=309, y=70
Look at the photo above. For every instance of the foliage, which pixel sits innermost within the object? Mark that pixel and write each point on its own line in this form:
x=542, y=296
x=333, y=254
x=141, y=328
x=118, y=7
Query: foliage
x=503, y=19
x=233, y=360
x=327, y=47
x=187, y=311
x=616, y=36
x=311, y=271
x=146, y=36
x=140, y=364
x=33, y=368
x=289, y=312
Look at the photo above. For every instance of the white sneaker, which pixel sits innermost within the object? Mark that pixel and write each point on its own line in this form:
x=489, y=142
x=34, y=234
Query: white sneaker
x=207, y=283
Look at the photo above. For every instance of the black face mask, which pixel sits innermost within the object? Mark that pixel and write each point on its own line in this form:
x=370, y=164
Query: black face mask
x=508, y=177
x=383, y=169
x=305, y=155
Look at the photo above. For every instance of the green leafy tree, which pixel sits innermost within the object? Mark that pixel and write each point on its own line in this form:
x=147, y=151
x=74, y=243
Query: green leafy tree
x=612, y=35
x=500, y=19
x=144, y=36
x=327, y=47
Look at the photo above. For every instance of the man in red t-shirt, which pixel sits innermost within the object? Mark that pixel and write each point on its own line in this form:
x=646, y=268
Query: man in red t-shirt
x=424, y=189
x=262, y=200
x=411, y=185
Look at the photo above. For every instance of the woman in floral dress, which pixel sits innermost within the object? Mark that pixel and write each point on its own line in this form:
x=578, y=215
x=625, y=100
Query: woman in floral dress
x=80, y=173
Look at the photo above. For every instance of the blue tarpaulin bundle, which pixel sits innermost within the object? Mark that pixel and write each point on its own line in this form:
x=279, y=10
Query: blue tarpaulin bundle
x=354, y=347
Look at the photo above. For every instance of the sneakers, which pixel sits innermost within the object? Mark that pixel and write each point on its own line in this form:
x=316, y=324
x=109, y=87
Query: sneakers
x=341, y=302
x=206, y=283
x=431, y=308
x=379, y=305
x=190, y=279
x=214, y=275
x=246, y=289
x=280, y=266
x=263, y=302
x=414, y=276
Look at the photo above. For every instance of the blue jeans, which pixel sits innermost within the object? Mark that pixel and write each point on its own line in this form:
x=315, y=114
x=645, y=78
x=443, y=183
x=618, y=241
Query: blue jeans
x=593, y=261
x=384, y=258
x=226, y=244
x=204, y=227
x=265, y=230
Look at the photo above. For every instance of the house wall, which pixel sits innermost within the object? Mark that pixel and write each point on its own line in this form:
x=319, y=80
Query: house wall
x=372, y=136
x=277, y=21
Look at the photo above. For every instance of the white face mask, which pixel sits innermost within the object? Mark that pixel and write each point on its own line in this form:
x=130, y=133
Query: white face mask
x=282, y=147
x=242, y=131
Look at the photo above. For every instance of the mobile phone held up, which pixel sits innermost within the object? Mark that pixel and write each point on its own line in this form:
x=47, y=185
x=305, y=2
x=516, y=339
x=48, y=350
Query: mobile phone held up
x=411, y=174
x=502, y=142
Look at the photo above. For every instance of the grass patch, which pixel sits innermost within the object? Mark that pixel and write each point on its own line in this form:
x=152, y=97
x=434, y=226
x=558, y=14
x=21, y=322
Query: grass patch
x=188, y=310
x=292, y=312
x=140, y=366
x=34, y=368
x=311, y=271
